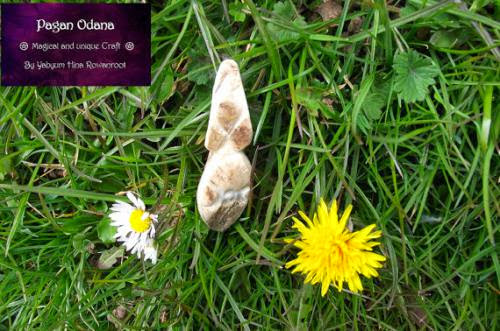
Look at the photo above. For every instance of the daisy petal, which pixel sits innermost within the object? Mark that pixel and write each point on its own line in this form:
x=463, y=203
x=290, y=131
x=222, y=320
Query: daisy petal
x=133, y=199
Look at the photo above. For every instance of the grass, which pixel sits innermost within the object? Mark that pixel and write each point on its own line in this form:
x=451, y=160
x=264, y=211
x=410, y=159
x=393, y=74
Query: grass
x=425, y=172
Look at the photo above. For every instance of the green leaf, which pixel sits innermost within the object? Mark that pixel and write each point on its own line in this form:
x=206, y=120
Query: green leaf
x=449, y=38
x=363, y=123
x=163, y=87
x=109, y=257
x=105, y=231
x=285, y=13
x=284, y=9
x=5, y=167
x=444, y=38
x=372, y=106
x=376, y=99
x=407, y=10
x=413, y=74
x=310, y=98
x=80, y=242
x=236, y=11
x=199, y=72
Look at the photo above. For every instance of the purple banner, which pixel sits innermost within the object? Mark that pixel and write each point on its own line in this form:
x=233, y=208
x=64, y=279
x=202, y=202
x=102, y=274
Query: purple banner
x=54, y=44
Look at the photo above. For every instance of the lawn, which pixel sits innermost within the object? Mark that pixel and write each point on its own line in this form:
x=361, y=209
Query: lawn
x=389, y=106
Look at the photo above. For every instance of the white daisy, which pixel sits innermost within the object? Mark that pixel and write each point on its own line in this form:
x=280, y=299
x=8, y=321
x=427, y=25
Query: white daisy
x=135, y=227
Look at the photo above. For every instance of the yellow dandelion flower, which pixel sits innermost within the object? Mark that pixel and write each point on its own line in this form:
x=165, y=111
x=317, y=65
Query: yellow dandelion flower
x=331, y=254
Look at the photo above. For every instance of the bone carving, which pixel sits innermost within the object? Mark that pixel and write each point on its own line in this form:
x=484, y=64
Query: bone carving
x=225, y=183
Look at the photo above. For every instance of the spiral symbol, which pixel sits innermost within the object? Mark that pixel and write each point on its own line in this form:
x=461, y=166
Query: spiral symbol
x=129, y=46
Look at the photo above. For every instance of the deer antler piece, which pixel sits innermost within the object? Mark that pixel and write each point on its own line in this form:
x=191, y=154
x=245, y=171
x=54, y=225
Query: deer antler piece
x=225, y=183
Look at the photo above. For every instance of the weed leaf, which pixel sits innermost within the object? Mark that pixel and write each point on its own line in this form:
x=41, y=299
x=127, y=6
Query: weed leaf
x=413, y=74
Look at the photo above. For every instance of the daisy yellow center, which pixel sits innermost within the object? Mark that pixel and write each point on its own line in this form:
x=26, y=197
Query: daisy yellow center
x=137, y=223
x=331, y=254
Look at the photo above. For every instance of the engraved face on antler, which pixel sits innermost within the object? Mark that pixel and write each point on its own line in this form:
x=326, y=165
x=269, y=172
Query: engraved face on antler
x=225, y=183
